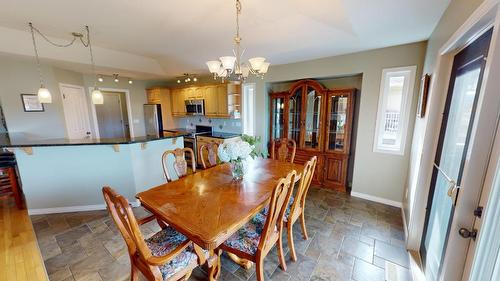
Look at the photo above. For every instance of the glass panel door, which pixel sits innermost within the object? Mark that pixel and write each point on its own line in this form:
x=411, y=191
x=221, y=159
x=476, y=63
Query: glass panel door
x=312, y=119
x=277, y=118
x=294, y=115
x=337, y=117
x=449, y=164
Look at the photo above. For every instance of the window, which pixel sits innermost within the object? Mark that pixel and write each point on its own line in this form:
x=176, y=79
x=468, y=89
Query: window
x=249, y=109
x=394, y=105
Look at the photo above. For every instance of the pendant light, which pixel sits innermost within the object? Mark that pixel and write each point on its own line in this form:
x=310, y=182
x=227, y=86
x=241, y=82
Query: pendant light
x=44, y=95
x=96, y=95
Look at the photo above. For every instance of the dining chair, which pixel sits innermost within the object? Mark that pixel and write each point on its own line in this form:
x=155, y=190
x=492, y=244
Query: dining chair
x=254, y=240
x=283, y=149
x=211, y=157
x=297, y=203
x=9, y=186
x=180, y=164
x=167, y=255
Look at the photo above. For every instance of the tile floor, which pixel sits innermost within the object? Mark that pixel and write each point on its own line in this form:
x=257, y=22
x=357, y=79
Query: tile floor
x=350, y=239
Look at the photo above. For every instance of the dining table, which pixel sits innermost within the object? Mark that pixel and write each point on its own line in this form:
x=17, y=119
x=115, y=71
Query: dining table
x=209, y=206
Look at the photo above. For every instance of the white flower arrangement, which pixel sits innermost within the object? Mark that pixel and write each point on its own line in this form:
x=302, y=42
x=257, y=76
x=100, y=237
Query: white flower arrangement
x=235, y=151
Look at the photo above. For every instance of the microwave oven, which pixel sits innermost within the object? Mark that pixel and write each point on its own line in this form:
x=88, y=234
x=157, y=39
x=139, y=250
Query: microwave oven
x=195, y=107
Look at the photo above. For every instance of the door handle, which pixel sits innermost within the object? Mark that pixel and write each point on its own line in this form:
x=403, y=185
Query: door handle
x=465, y=233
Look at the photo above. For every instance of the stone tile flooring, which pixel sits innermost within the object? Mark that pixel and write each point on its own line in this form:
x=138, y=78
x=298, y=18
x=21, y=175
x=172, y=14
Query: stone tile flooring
x=349, y=239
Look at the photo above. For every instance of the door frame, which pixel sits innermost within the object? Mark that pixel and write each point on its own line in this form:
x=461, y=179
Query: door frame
x=127, y=101
x=487, y=15
x=61, y=86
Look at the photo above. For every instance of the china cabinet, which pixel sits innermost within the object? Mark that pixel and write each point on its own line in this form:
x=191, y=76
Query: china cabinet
x=320, y=121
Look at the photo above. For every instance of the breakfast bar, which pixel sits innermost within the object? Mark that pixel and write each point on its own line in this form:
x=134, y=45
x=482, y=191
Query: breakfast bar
x=62, y=175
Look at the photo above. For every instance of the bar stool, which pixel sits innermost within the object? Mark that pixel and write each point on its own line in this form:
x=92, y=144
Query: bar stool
x=8, y=178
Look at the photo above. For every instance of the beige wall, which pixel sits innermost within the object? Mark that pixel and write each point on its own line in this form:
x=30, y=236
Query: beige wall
x=455, y=15
x=19, y=75
x=375, y=174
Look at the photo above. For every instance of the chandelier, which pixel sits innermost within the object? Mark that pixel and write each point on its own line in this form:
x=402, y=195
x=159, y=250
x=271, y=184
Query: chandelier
x=231, y=67
x=44, y=95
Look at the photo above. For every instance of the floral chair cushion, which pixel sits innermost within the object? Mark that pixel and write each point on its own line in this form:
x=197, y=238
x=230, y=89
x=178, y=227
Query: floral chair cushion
x=247, y=238
x=165, y=242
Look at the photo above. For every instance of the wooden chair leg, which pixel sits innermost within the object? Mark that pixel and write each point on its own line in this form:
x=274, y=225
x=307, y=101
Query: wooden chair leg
x=303, y=224
x=291, y=244
x=281, y=254
x=259, y=269
x=134, y=273
x=15, y=188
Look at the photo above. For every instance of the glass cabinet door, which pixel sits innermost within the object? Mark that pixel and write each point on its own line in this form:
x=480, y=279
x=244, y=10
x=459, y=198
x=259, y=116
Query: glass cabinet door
x=337, y=119
x=277, y=118
x=312, y=132
x=294, y=115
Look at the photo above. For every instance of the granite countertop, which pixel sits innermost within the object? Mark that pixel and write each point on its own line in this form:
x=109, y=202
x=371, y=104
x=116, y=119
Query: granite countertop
x=24, y=140
x=221, y=135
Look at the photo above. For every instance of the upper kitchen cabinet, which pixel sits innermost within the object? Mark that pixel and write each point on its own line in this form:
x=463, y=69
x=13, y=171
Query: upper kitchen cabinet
x=320, y=121
x=220, y=100
x=153, y=95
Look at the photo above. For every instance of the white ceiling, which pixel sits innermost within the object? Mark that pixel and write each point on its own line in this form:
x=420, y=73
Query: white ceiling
x=180, y=35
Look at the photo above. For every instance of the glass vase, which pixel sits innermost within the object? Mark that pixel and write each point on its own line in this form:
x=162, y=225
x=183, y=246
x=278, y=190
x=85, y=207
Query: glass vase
x=238, y=170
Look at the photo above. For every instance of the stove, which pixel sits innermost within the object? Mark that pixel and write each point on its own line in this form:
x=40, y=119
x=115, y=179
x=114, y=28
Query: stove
x=190, y=140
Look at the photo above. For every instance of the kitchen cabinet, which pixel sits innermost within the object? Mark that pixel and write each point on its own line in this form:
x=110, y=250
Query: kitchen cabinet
x=153, y=95
x=201, y=140
x=211, y=104
x=320, y=121
x=178, y=106
x=221, y=100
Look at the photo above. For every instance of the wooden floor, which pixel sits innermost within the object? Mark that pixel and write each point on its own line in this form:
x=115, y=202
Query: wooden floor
x=20, y=257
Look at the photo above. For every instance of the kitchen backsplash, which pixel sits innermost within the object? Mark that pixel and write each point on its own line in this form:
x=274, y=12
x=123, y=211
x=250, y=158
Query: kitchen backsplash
x=219, y=125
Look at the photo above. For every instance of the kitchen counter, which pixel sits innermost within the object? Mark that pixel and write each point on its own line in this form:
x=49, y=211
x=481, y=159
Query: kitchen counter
x=221, y=135
x=24, y=140
x=62, y=175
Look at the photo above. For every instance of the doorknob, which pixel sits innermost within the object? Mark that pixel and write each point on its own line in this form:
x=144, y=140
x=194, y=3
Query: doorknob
x=465, y=233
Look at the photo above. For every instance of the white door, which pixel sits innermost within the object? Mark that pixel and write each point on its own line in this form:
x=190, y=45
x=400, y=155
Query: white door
x=485, y=254
x=76, y=112
x=110, y=116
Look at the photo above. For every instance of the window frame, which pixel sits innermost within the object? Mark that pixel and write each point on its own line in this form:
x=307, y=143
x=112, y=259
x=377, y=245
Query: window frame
x=406, y=105
x=246, y=108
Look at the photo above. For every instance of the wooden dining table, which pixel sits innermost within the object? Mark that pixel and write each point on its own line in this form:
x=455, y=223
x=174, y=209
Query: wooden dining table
x=209, y=206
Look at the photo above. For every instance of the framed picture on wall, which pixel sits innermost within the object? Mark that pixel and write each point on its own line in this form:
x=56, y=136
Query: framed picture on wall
x=424, y=93
x=31, y=103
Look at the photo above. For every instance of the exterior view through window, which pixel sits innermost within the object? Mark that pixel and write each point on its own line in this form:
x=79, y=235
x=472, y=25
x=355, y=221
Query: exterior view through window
x=394, y=109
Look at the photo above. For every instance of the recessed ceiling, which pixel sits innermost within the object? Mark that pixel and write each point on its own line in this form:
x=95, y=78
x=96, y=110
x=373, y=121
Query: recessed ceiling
x=182, y=35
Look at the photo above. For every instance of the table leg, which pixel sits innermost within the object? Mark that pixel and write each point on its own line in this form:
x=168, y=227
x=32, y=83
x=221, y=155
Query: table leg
x=214, y=265
x=242, y=262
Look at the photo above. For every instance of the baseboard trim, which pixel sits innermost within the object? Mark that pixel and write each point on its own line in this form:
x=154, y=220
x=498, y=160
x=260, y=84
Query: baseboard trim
x=72, y=209
x=377, y=199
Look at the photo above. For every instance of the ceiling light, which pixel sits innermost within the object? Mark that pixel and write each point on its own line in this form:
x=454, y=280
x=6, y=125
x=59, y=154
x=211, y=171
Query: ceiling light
x=116, y=78
x=228, y=67
x=130, y=81
x=97, y=97
x=178, y=81
x=100, y=78
x=44, y=95
x=195, y=79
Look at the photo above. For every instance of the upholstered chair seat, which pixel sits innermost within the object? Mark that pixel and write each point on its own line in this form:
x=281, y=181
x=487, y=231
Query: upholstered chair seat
x=247, y=238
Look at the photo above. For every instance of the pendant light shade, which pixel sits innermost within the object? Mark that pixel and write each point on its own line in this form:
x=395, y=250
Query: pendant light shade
x=44, y=95
x=97, y=97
